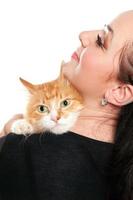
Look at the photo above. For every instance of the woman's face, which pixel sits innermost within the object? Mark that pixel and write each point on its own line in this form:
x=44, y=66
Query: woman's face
x=97, y=65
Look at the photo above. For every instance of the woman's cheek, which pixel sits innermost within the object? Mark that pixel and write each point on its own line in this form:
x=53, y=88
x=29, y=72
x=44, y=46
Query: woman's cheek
x=88, y=62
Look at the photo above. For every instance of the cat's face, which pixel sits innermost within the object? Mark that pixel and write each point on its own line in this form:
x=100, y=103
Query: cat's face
x=54, y=106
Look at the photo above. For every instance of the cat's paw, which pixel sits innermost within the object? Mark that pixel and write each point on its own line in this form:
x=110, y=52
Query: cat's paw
x=21, y=126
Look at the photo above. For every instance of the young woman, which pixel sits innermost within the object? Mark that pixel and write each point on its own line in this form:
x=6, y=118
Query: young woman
x=93, y=160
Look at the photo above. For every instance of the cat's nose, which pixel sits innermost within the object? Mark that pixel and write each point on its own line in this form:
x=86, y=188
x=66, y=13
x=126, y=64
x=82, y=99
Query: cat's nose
x=55, y=118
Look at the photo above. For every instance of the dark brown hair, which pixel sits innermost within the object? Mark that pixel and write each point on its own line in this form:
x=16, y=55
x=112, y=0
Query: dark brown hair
x=122, y=158
x=126, y=63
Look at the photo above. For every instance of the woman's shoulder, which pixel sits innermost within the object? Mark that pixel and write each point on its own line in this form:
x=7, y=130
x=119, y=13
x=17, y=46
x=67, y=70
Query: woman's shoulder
x=10, y=139
x=69, y=143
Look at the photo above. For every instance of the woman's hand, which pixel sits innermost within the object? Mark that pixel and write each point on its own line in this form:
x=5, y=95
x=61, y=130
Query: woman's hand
x=7, y=126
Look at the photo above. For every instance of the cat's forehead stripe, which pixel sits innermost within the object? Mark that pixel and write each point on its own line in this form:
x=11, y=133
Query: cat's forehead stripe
x=53, y=104
x=51, y=93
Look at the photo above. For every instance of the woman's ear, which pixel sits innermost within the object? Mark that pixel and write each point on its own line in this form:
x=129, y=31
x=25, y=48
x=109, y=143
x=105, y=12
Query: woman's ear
x=120, y=95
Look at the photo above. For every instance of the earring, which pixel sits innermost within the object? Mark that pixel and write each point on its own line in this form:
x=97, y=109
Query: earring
x=104, y=101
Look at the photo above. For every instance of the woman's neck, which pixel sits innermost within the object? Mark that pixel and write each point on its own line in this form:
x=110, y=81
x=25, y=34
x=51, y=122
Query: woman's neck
x=97, y=122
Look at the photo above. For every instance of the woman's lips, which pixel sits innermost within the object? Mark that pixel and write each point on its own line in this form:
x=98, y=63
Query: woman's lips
x=75, y=56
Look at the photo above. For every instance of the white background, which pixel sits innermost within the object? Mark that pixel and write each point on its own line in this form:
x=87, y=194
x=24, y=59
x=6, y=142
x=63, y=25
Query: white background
x=35, y=35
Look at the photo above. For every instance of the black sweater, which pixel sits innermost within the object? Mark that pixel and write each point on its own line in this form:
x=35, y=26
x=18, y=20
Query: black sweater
x=54, y=167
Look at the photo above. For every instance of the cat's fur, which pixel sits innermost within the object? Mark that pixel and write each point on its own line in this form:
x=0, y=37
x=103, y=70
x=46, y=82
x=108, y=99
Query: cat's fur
x=63, y=105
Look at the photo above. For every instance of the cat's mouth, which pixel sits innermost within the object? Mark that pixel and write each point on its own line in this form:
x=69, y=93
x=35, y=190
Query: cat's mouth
x=56, y=125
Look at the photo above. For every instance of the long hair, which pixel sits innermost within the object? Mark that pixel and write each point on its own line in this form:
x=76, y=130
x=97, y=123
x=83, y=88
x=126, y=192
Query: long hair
x=122, y=159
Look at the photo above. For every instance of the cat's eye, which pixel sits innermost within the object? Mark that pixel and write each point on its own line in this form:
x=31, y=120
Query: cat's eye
x=65, y=103
x=42, y=109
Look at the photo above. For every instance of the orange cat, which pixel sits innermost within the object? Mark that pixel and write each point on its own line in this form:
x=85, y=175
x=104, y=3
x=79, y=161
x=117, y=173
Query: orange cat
x=53, y=106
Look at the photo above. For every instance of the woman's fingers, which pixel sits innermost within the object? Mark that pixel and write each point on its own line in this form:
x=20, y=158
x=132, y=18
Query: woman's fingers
x=7, y=126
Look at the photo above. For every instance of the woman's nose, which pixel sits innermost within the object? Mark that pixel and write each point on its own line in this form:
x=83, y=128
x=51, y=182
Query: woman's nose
x=84, y=38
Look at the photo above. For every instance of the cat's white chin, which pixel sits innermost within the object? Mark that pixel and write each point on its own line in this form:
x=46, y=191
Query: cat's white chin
x=58, y=130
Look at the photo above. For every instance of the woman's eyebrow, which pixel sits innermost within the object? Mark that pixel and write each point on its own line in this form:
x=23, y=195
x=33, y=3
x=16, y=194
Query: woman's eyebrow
x=109, y=29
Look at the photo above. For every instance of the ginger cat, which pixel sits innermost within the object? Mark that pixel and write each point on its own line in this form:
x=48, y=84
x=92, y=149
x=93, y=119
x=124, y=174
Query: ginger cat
x=53, y=106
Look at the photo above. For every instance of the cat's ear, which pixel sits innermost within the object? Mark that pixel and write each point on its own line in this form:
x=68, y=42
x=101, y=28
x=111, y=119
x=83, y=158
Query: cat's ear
x=31, y=88
x=62, y=78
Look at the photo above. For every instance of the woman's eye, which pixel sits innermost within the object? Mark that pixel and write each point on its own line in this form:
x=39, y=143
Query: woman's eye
x=43, y=109
x=100, y=41
x=65, y=103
